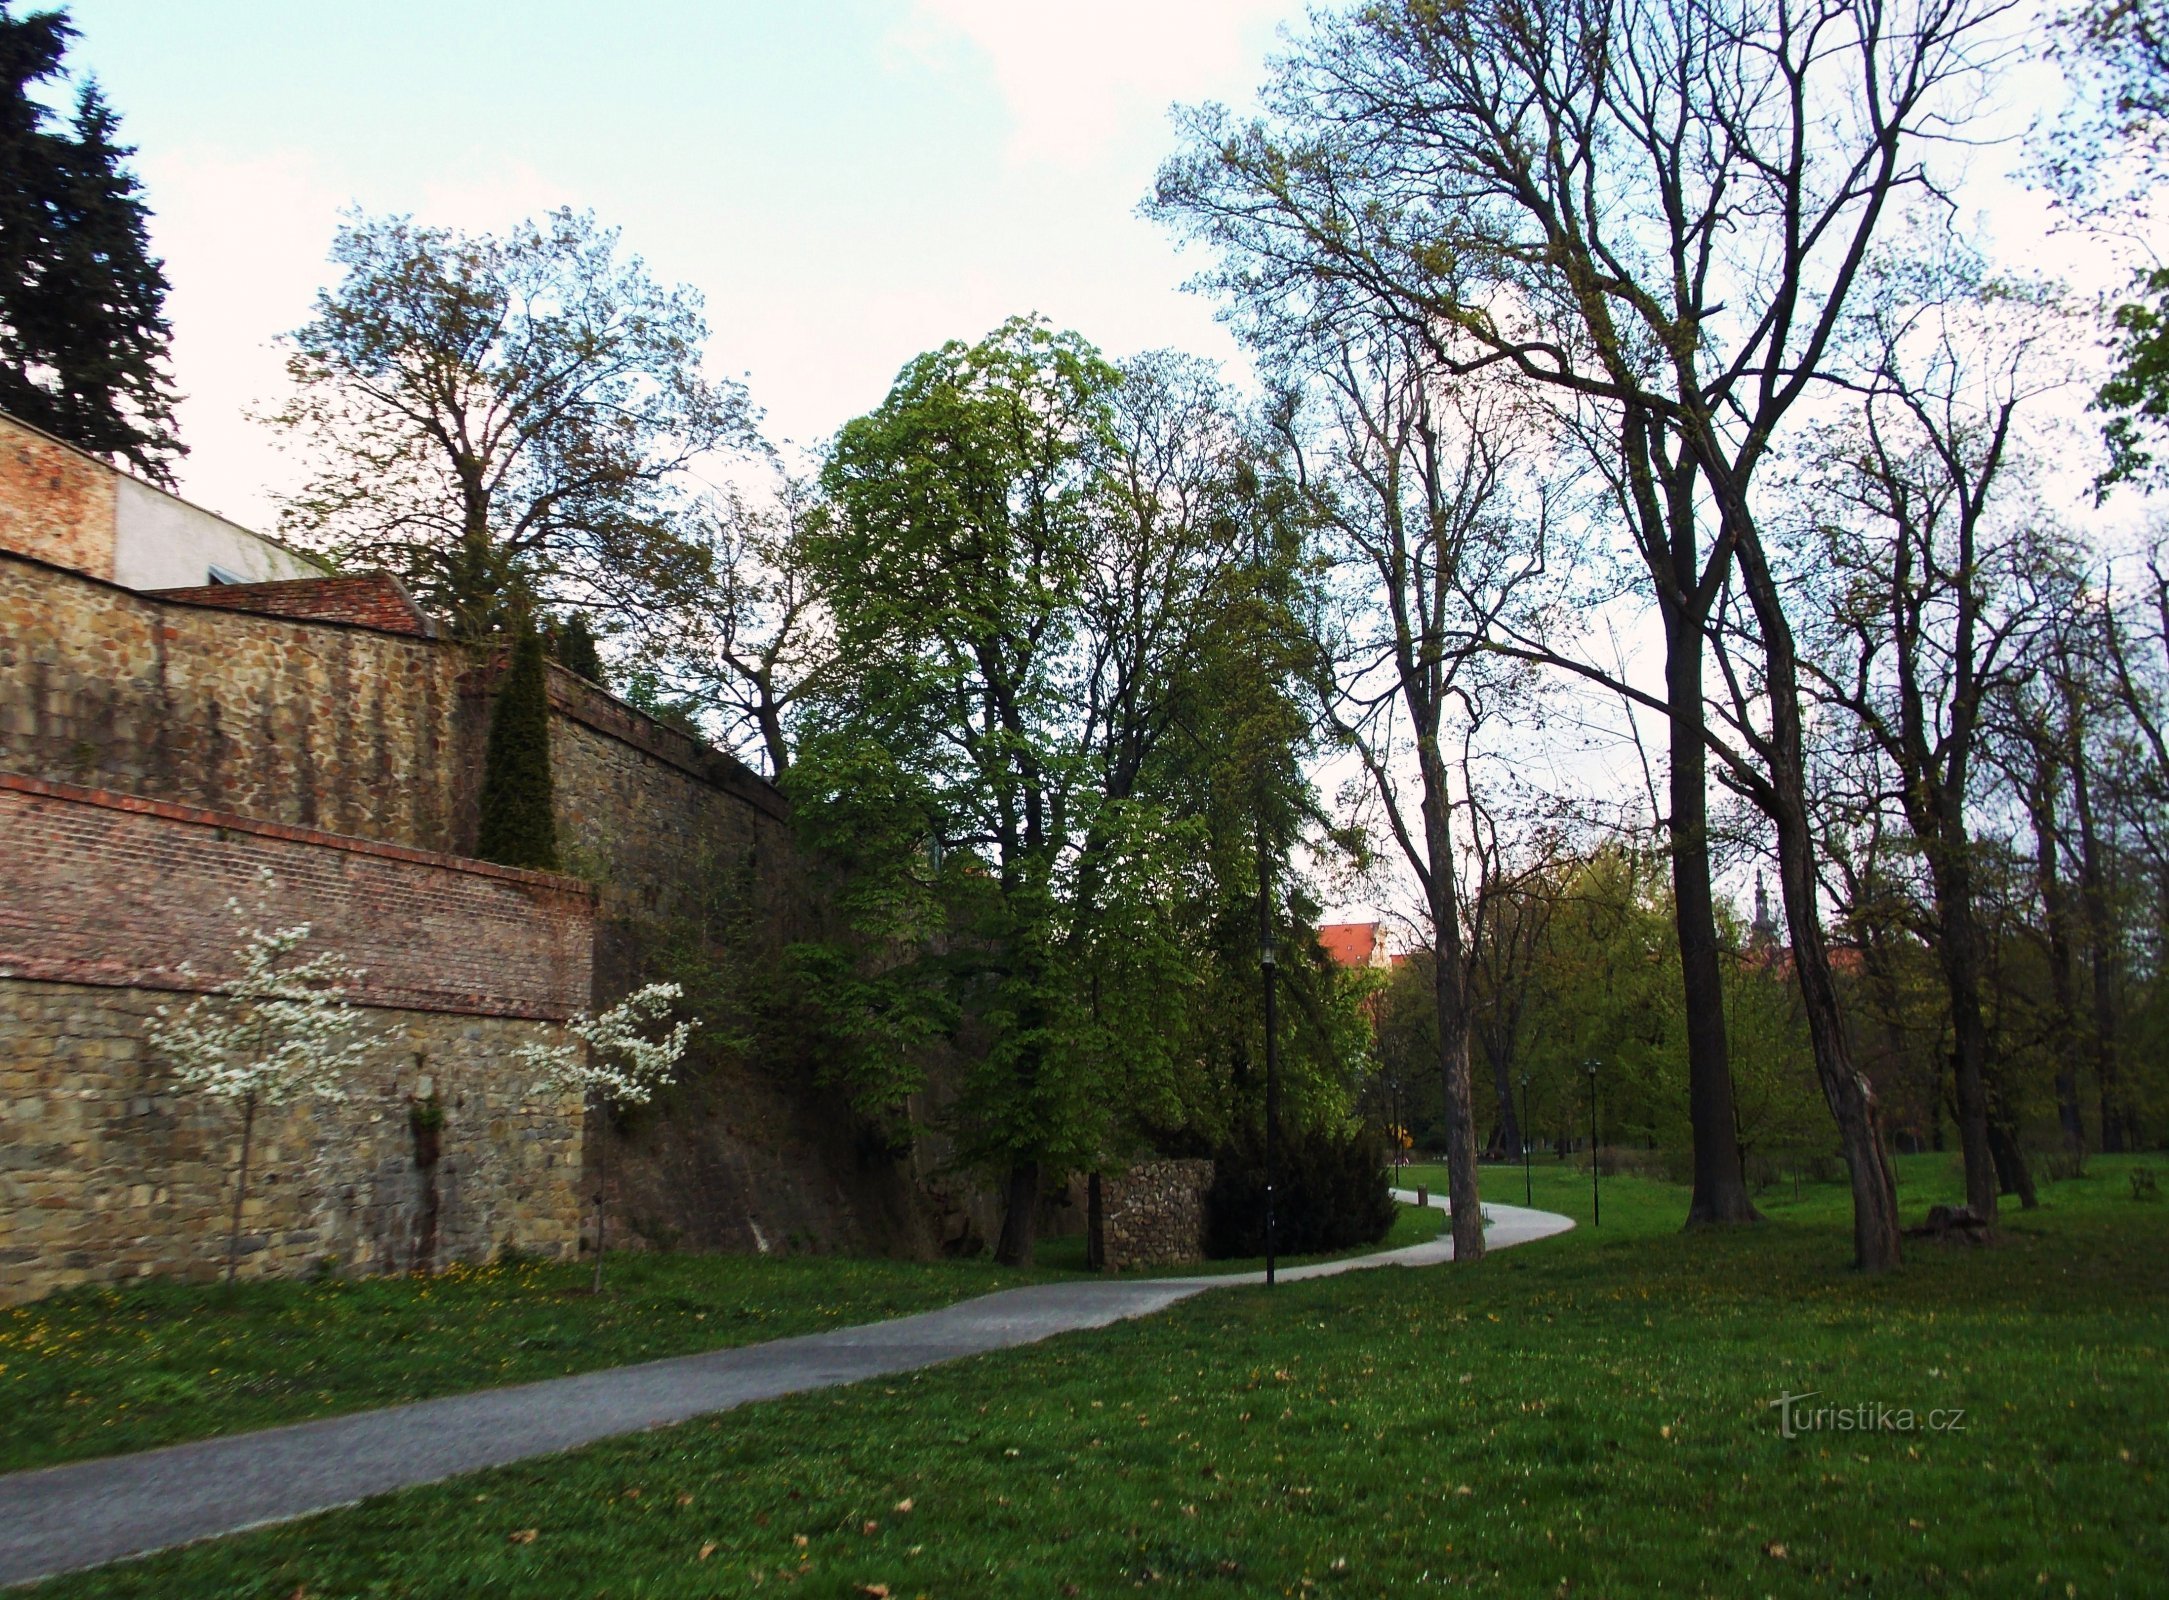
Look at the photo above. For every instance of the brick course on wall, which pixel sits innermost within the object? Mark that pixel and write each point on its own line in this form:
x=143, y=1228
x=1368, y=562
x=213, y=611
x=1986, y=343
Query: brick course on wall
x=1154, y=1214
x=112, y=889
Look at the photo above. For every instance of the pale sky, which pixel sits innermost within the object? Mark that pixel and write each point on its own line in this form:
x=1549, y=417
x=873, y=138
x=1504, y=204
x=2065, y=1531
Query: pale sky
x=848, y=182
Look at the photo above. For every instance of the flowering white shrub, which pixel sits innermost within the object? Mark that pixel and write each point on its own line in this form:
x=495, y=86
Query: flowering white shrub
x=280, y=1028
x=611, y=1062
x=610, y=1059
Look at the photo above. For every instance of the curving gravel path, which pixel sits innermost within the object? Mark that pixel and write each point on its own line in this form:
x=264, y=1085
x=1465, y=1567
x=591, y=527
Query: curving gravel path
x=62, y=1519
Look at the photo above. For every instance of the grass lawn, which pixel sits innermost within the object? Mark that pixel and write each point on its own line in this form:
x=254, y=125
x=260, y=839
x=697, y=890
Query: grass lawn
x=102, y=1371
x=1589, y=1415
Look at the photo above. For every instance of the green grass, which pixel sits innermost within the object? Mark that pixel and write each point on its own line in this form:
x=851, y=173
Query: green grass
x=1590, y=1415
x=101, y=1371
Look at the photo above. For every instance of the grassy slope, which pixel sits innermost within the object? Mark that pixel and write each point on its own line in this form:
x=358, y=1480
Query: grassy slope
x=1589, y=1415
x=102, y=1371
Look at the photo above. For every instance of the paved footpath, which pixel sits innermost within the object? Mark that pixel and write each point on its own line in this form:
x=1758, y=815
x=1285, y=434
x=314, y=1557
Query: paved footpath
x=60, y=1519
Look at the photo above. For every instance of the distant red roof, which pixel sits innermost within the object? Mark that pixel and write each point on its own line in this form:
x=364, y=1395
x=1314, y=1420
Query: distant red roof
x=373, y=600
x=1353, y=944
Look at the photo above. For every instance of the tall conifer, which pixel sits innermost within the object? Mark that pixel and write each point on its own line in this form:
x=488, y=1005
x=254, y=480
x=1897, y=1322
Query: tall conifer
x=519, y=823
x=83, y=332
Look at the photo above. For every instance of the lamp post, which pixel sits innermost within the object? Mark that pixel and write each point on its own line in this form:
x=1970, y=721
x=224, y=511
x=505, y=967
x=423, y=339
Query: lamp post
x=1596, y=1203
x=1266, y=967
x=1528, y=1183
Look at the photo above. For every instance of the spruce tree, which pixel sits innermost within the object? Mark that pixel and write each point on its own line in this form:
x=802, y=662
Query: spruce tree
x=519, y=823
x=83, y=332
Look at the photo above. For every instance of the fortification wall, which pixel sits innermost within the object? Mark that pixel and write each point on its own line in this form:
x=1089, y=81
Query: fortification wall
x=113, y=906
x=379, y=736
x=314, y=724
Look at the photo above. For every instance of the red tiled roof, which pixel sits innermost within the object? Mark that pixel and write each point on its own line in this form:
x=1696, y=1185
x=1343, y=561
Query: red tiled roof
x=373, y=600
x=1350, y=944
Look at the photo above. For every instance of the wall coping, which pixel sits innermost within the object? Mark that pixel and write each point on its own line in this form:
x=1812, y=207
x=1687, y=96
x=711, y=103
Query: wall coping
x=173, y=811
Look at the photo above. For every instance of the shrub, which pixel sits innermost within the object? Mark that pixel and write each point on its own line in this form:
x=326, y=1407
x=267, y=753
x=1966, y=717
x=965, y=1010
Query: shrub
x=1330, y=1192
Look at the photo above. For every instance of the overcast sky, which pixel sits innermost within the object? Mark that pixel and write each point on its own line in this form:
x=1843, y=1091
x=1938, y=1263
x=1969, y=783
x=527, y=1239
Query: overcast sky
x=848, y=182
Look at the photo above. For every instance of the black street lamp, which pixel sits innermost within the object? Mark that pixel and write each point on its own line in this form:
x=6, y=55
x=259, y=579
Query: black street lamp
x=1596, y=1203
x=1528, y=1183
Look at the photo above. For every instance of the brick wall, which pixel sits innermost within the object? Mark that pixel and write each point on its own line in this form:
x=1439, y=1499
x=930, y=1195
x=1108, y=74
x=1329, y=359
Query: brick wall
x=56, y=503
x=1154, y=1214
x=107, y=1172
x=372, y=599
x=112, y=889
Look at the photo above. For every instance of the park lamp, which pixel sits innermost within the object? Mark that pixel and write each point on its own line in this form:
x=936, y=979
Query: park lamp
x=1528, y=1179
x=1596, y=1202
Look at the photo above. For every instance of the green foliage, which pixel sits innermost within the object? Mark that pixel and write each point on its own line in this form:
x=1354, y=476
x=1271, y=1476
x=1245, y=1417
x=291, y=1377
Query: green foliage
x=1058, y=720
x=518, y=811
x=83, y=332
x=2136, y=398
x=1329, y=1193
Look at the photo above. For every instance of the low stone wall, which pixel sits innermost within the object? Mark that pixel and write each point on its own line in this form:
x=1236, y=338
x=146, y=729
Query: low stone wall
x=112, y=906
x=1154, y=1214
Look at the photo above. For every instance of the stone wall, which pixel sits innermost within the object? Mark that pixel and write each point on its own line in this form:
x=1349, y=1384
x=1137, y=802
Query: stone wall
x=379, y=736
x=112, y=906
x=1153, y=1215
x=315, y=724
x=107, y=1173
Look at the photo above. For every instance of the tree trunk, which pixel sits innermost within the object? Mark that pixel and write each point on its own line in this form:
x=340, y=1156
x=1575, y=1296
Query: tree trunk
x=2101, y=951
x=1020, y=1216
x=240, y=1185
x=1720, y=1178
x=1846, y=1089
x=1095, y=1225
x=1958, y=952
x=1510, y=1132
x=2056, y=913
x=1449, y=980
x=2013, y=1176
x=598, y=1119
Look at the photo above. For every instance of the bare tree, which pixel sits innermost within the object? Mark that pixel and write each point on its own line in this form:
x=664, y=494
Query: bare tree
x=1935, y=570
x=1658, y=209
x=1416, y=496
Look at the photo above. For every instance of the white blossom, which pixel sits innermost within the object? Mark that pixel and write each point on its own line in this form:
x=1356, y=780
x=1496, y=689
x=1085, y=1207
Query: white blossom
x=279, y=1028
x=610, y=1057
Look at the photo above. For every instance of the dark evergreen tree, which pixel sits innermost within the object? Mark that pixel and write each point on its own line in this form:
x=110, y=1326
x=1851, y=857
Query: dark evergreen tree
x=572, y=644
x=83, y=332
x=519, y=822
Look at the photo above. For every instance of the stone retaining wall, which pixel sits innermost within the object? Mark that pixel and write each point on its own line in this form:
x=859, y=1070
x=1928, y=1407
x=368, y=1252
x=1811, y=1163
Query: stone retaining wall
x=1154, y=1214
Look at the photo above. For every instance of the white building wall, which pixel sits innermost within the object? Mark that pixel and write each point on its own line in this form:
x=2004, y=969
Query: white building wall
x=161, y=542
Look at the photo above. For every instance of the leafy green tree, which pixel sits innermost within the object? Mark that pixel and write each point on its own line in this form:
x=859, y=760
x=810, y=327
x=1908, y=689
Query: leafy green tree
x=83, y=332
x=506, y=421
x=1019, y=769
x=519, y=818
x=573, y=646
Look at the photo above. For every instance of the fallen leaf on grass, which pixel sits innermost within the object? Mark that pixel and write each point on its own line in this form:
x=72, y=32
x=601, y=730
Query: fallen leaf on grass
x=903, y=1505
x=1774, y=1550
x=870, y=1527
x=685, y=1499
x=707, y=1550
x=874, y=1591
x=526, y=1535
